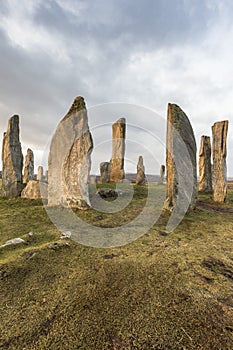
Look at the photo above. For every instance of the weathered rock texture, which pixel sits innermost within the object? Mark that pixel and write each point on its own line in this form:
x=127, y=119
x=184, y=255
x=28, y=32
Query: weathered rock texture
x=141, y=178
x=28, y=173
x=104, y=172
x=46, y=176
x=117, y=173
x=69, y=159
x=35, y=190
x=162, y=173
x=181, y=166
x=205, y=172
x=12, y=160
x=40, y=173
x=219, y=169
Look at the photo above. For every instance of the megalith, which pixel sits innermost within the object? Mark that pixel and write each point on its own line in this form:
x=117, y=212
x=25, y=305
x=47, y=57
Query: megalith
x=140, y=178
x=117, y=173
x=161, y=174
x=219, y=169
x=28, y=173
x=70, y=159
x=205, y=172
x=12, y=160
x=181, y=168
x=40, y=173
x=104, y=172
x=35, y=190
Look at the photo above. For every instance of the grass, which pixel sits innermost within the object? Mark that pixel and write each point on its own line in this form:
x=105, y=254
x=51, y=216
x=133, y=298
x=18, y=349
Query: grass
x=163, y=291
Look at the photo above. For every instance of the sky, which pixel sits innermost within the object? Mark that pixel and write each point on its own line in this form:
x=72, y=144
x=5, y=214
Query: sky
x=127, y=59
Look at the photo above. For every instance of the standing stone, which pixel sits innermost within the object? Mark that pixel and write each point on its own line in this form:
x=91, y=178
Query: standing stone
x=117, y=173
x=181, y=183
x=141, y=178
x=104, y=172
x=162, y=173
x=12, y=160
x=205, y=172
x=35, y=190
x=40, y=173
x=28, y=173
x=219, y=139
x=46, y=176
x=69, y=159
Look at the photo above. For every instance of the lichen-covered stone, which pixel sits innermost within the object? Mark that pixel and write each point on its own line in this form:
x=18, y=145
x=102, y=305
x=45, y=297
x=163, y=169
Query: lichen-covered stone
x=117, y=173
x=69, y=159
x=205, y=172
x=12, y=160
x=140, y=178
x=181, y=178
x=104, y=172
x=35, y=190
x=40, y=173
x=219, y=169
x=28, y=173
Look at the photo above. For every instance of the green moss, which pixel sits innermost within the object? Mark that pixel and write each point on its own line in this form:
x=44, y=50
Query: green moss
x=159, y=292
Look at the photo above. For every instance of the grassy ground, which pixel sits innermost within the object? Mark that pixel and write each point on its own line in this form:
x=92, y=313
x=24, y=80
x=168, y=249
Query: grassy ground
x=163, y=291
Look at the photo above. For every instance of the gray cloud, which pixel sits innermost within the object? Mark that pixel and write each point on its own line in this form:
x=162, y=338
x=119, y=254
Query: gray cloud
x=141, y=52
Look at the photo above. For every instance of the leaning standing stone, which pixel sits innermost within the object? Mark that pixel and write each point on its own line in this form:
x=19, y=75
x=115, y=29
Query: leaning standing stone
x=205, y=172
x=219, y=139
x=70, y=159
x=12, y=160
x=141, y=178
x=117, y=173
x=181, y=183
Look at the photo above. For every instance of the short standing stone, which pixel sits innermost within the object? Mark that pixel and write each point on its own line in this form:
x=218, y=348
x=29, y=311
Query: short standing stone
x=181, y=180
x=40, y=173
x=117, y=173
x=104, y=172
x=12, y=160
x=205, y=172
x=162, y=173
x=35, y=190
x=141, y=178
x=69, y=159
x=46, y=176
x=219, y=169
x=28, y=167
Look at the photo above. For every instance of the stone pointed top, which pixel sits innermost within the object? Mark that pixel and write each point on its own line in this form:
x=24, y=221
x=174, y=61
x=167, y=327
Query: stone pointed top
x=13, y=124
x=29, y=151
x=121, y=121
x=77, y=106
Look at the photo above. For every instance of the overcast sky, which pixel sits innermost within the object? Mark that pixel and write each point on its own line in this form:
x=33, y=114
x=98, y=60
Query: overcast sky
x=135, y=52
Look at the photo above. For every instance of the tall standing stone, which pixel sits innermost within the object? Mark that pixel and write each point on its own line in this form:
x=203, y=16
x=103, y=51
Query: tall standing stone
x=141, y=178
x=28, y=173
x=219, y=178
x=40, y=173
x=117, y=173
x=205, y=172
x=69, y=159
x=12, y=160
x=104, y=172
x=181, y=184
x=162, y=173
